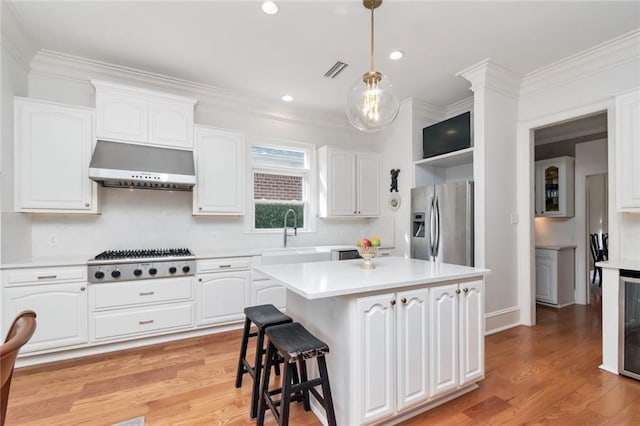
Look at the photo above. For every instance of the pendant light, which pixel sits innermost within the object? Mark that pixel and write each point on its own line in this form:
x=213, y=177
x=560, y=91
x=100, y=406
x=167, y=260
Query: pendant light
x=372, y=102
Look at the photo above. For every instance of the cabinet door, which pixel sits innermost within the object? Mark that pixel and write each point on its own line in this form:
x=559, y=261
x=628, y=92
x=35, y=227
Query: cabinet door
x=539, y=192
x=376, y=357
x=555, y=192
x=628, y=151
x=368, y=181
x=412, y=334
x=341, y=182
x=471, y=332
x=171, y=124
x=220, y=172
x=265, y=292
x=53, y=145
x=546, y=276
x=443, y=339
x=121, y=117
x=61, y=311
x=222, y=297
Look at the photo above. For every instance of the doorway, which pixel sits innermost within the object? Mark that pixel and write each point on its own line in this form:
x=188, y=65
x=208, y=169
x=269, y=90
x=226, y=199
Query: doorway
x=597, y=231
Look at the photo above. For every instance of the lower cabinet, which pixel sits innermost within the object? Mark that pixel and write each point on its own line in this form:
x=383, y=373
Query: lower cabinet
x=417, y=345
x=555, y=276
x=456, y=322
x=61, y=311
x=222, y=296
x=127, y=310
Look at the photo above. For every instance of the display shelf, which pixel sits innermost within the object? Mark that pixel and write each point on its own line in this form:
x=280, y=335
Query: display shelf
x=451, y=159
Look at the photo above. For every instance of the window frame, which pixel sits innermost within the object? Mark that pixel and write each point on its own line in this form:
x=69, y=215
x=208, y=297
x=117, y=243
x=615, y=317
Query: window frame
x=308, y=183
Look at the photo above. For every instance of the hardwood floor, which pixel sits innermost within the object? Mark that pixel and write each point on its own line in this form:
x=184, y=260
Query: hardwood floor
x=546, y=374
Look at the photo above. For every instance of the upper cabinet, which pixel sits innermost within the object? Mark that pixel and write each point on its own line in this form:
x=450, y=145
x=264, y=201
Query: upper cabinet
x=554, y=182
x=219, y=158
x=131, y=114
x=349, y=183
x=53, y=145
x=628, y=151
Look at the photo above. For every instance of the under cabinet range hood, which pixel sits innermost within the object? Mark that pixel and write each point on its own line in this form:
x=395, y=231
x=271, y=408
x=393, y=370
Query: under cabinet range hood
x=117, y=164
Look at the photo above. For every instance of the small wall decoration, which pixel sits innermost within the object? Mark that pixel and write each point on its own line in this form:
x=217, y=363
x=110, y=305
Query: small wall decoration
x=394, y=180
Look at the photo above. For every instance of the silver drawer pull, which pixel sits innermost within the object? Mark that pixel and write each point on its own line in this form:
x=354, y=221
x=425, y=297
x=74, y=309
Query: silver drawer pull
x=47, y=277
x=225, y=266
x=146, y=293
x=145, y=322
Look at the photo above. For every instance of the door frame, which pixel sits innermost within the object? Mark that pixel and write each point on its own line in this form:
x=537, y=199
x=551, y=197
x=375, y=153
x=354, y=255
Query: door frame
x=526, y=195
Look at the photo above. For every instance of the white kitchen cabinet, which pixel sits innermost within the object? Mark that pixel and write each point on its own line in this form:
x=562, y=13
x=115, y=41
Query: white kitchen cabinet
x=456, y=339
x=53, y=146
x=393, y=339
x=61, y=310
x=220, y=161
x=554, y=187
x=349, y=183
x=265, y=292
x=555, y=276
x=128, y=310
x=130, y=114
x=223, y=290
x=628, y=151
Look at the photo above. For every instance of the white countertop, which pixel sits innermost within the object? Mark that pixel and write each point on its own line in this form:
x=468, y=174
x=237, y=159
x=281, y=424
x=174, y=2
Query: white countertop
x=327, y=279
x=632, y=264
x=554, y=246
x=75, y=260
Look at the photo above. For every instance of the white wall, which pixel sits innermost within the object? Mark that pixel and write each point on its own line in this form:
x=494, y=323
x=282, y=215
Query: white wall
x=15, y=229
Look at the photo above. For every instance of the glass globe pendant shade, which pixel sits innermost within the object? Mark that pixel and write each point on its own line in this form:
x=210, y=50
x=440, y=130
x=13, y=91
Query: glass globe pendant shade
x=372, y=103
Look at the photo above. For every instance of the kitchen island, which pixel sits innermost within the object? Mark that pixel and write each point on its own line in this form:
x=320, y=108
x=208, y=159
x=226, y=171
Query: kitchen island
x=404, y=337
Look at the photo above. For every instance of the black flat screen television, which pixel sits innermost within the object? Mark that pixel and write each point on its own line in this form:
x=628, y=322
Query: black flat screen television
x=446, y=136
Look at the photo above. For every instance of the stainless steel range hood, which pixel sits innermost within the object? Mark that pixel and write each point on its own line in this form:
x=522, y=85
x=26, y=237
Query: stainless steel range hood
x=118, y=164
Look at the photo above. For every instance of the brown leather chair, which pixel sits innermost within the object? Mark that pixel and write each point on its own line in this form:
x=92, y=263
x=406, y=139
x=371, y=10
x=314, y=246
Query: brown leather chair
x=20, y=332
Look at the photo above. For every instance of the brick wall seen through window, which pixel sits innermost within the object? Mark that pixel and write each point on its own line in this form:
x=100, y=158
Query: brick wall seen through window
x=277, y=187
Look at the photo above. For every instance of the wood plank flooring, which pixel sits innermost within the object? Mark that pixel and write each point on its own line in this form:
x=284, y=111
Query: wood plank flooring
x=546, y=374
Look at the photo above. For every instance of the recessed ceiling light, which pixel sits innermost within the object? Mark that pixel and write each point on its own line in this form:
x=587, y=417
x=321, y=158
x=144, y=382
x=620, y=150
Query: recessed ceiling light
x=287, y=98
x=396, y=54
x=269, y=7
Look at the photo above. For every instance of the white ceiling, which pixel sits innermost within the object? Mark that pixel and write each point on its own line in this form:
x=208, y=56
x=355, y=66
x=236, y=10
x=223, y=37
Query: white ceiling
x=232, y=45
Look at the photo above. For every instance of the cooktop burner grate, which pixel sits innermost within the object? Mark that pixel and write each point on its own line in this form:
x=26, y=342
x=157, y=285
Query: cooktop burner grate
x=143, y=254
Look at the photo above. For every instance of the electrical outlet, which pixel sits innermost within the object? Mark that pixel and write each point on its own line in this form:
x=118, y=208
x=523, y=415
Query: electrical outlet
x=53, y=239
x=514, y=218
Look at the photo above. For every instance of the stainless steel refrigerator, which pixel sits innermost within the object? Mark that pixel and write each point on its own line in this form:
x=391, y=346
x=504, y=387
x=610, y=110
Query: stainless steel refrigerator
x=442, y=223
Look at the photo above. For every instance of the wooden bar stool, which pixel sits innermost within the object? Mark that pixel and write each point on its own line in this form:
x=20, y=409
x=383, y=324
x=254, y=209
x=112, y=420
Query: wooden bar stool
x=295, y=344
x=261, y=316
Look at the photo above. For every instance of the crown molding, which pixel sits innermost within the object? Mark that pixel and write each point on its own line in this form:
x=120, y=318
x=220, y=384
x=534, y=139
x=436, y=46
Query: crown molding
x=426, y=110
x=15, y=39
x=610, y=54
x=487, y=74
x=69, y=67
x=459, y=107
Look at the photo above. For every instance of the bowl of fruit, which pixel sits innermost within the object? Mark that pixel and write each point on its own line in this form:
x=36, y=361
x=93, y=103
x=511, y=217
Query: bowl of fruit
x=367, y=249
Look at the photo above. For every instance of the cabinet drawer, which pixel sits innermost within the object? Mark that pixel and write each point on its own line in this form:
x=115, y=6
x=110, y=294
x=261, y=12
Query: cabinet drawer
x=45, y=275
x=124, y=294
x=119, y=324
x=226, y=264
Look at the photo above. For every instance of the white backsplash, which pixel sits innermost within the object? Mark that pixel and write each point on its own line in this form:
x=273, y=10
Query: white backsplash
x=149, y=219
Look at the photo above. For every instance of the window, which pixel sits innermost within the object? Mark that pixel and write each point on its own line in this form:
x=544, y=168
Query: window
x=280, y=182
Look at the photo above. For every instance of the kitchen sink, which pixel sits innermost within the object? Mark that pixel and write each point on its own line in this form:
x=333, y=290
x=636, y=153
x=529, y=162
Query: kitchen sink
x=294, y=255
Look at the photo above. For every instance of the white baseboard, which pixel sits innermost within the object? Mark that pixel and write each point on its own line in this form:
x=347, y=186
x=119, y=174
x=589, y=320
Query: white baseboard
x=501, y=320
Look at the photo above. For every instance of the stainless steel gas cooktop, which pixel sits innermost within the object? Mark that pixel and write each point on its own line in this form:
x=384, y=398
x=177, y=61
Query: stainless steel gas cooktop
x=133, y=265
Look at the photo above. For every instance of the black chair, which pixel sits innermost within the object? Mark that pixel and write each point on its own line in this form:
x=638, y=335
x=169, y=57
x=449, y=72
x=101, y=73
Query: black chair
x=262, y=316
x=295, y=345
x=605, y=246
x=597, y=255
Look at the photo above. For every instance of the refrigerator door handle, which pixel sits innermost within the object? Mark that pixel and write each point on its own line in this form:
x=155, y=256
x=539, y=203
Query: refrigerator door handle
x=431, y=227
x=437, y=213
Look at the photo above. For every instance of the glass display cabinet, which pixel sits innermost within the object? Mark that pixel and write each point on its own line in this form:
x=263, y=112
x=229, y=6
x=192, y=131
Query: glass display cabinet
x=554, y=183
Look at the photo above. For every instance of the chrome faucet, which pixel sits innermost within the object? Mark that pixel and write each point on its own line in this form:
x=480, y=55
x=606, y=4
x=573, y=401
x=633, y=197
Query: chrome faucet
x=295, y=225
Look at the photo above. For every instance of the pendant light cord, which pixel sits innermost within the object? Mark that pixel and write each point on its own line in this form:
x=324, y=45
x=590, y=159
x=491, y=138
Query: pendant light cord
x=372, y=67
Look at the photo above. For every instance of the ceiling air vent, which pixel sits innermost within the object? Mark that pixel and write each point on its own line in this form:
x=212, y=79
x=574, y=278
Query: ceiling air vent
x=336, y=69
